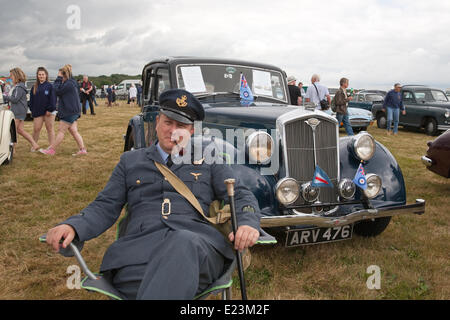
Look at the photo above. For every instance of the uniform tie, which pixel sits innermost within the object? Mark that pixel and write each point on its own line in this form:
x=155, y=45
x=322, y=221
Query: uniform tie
x=169, y=161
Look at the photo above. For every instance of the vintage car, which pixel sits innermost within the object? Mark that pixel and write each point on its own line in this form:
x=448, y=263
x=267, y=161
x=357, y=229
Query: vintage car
x=425, y=107
x=7, y=133
x=360, y=119
x=276, y=148
x=438, y=155
x=366, y=98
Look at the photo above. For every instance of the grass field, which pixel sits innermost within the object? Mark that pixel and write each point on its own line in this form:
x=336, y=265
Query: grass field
x=37, y=192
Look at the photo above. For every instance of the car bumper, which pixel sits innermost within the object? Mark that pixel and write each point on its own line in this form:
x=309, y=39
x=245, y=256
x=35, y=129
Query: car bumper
x=323, y=221
x=443, y=127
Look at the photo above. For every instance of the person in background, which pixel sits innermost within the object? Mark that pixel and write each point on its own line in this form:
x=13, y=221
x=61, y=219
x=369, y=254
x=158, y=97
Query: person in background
x=43, y=105
x=114, y=95
x=341, y=100
x=294, y=91
x=68, y=111
x=109, y=95
x=318, y=92
x=133, y=94
x=17, y=98
x=139, y=93
x=94, y=90
x=302, y=91
x=86, y=88
x=393, y=103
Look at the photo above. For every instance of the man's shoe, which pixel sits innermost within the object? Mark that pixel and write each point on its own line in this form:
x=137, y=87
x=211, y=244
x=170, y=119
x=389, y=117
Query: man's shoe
x=49, y=151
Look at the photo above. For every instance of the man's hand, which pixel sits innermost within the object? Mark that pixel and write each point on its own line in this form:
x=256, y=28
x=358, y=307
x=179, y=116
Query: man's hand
x=63, y=231
x=403, y=112
x=246, y=236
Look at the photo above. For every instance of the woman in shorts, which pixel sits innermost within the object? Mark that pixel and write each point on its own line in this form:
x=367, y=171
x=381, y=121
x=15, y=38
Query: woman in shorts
x=43, y=105
x=68, y=110
x=19, y=105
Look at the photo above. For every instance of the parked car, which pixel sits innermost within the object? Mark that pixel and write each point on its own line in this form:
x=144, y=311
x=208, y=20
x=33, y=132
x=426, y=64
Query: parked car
x=360, y=119
x=278, y=148
x=7, y=133
x=426, y=108
x=438, y=155
x=366, y=98
x=124, y=86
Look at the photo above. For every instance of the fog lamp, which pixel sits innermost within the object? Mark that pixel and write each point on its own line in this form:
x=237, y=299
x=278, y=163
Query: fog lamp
x=346, y=188
x=309, y=193
x=373, y=185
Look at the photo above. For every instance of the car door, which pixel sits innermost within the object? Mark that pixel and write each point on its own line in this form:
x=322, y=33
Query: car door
x=411, y=108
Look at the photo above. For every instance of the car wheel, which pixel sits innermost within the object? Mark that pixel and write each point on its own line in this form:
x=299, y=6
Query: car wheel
x=381, y=121
x=369, y=228
x=431, y=127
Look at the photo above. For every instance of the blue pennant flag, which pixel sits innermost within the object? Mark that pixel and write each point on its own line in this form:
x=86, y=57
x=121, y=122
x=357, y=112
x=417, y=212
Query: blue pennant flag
x=245, y=91
x=321, y=179
x=360, y=177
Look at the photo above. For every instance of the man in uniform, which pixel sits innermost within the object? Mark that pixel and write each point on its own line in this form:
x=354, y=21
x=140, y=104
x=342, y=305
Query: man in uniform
x=169, y=251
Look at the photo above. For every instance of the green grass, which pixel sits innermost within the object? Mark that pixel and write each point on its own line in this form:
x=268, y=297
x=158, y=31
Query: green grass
x=37, y=192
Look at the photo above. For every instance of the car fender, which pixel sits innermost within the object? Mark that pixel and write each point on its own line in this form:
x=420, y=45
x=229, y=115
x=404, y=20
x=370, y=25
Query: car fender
x=383, y=164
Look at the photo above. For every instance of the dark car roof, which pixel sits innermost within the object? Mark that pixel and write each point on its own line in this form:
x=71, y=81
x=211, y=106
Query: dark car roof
x=419, y=87
x=187, y=60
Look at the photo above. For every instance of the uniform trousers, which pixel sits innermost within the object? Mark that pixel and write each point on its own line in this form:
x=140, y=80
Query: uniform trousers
x=181, y=266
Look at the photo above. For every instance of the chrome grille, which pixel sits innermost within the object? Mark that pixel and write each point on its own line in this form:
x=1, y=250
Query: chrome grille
x=300, y=154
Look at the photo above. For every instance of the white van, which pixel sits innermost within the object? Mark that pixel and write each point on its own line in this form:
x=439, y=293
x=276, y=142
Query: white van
x=124, y=86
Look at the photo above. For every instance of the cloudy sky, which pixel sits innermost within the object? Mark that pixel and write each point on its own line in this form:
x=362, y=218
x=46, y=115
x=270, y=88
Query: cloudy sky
x=374, y=43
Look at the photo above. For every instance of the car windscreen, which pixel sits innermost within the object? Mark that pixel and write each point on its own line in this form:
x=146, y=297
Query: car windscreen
x=221, y=78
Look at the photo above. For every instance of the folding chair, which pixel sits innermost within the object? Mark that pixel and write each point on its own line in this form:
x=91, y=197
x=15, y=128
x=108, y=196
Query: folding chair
x=96, y=282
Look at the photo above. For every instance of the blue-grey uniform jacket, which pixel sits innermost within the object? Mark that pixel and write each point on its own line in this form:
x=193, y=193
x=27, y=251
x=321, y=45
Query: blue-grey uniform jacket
x=137, y=182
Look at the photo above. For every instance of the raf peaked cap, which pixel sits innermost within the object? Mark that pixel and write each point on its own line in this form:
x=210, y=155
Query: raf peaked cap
x=181, y=105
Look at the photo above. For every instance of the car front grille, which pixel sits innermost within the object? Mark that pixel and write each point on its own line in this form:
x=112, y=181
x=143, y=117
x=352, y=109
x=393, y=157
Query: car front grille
x=300, y=163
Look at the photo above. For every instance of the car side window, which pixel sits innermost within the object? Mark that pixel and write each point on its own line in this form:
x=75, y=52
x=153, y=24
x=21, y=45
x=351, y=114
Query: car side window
x=163, y=83
x=408, y=97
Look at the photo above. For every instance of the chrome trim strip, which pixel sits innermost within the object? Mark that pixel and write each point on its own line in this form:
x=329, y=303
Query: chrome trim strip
x=322, y=221
x=443, y=127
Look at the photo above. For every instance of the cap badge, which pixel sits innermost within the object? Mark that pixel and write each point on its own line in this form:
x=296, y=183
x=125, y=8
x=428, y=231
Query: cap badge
x=181, y=102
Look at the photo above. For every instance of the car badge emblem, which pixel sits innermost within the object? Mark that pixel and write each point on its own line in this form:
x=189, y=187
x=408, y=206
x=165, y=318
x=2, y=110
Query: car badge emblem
x=313, y=123
x=196, y=175
x=181, y=102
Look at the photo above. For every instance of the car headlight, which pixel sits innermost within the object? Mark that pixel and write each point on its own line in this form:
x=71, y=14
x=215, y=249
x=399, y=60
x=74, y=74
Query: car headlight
x=287, y=191
x=447, y=114
x=260, y=147
x=346, y=188
x=309, y=193
x=373, y=185
x=364, y=146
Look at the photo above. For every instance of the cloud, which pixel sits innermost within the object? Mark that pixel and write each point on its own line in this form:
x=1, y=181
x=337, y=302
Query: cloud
x=373, y=43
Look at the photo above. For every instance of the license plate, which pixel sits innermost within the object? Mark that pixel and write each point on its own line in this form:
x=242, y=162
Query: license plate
x=301, y=237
